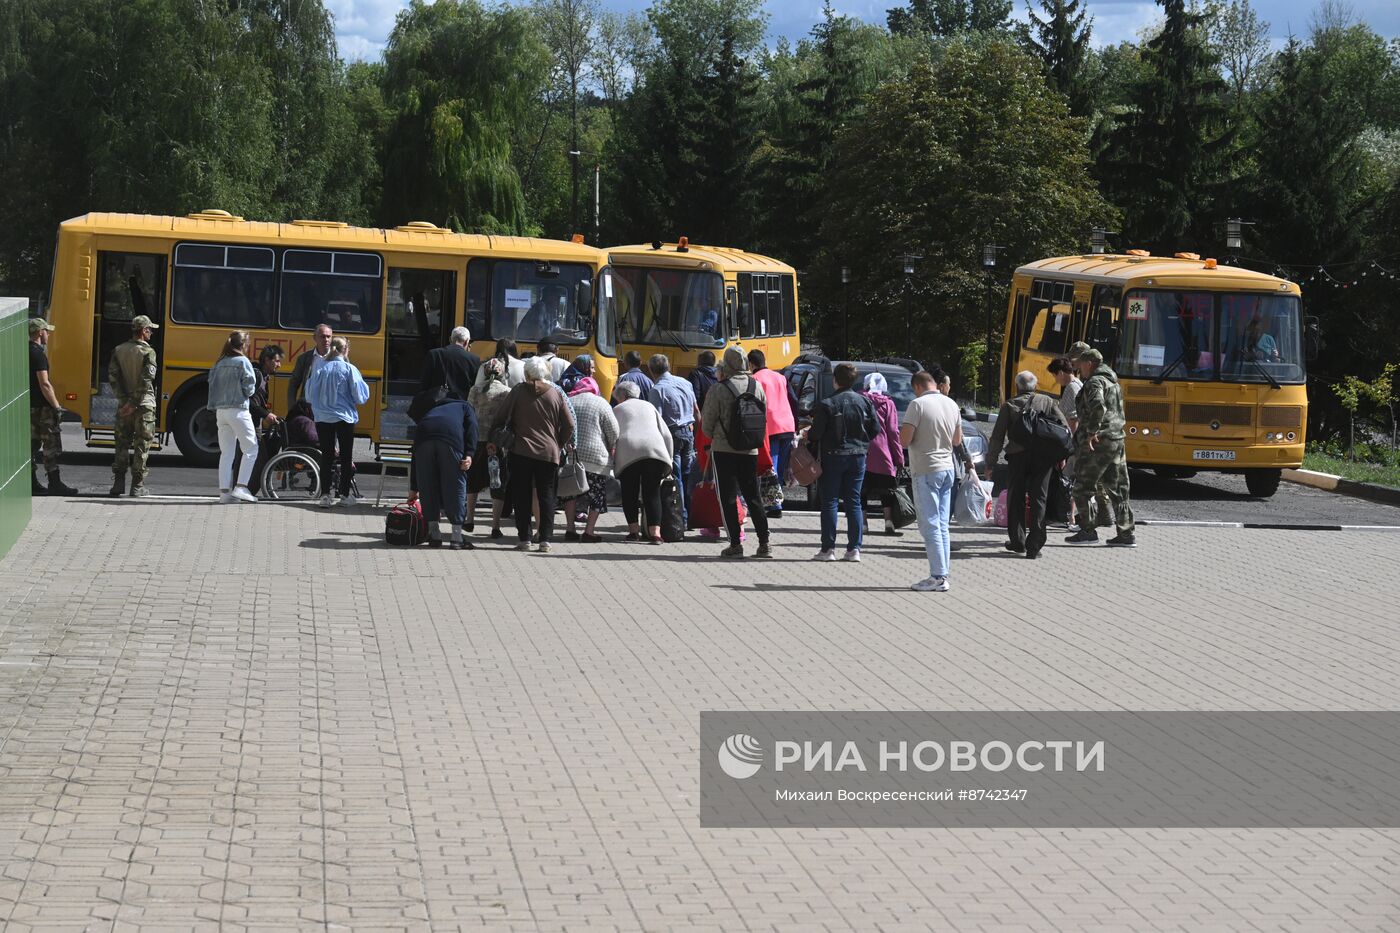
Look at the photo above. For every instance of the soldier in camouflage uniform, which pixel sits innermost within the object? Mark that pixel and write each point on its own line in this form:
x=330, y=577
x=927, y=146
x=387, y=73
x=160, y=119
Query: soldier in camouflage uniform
x=132, y=374
x=45, y=416
x=1102, y=458
x=1100, y=514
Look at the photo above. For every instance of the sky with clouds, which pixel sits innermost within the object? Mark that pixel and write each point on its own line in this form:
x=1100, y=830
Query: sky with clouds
x=362, y=26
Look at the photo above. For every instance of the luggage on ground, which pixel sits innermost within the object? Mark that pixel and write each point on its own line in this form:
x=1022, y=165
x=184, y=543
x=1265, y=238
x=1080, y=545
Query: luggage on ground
x=404, y=525
x=672, y=523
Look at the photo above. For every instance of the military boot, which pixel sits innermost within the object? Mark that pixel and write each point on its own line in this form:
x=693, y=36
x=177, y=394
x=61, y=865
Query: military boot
x=118, y=485
x=138, y=488
x=36, y=488
x=57, y=486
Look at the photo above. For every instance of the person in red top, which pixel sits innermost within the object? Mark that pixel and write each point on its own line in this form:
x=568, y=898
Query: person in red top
x=702, y=462
x=782, y=420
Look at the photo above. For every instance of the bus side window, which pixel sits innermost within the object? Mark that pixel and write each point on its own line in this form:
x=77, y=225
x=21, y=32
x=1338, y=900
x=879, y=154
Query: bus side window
x=478, y=297
x=745, y=320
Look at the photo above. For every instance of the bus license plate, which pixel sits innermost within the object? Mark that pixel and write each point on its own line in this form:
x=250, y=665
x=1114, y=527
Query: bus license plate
x=1212, y=455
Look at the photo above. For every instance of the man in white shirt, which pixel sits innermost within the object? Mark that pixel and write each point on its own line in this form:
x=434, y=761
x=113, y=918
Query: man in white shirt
x=930, y=429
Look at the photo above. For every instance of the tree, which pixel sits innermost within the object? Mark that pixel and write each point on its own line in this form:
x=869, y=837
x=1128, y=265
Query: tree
x=1061, y=42
x=567, y=29
x=937, y=164
x=1167, y=162
x=678, y=162
x=622, y=44
x=949, y=17
x=1241, y=40
x=815, y=92
x=458, y=78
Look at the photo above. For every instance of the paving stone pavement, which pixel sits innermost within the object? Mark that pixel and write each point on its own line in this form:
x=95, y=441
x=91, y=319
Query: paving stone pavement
x=259, y=717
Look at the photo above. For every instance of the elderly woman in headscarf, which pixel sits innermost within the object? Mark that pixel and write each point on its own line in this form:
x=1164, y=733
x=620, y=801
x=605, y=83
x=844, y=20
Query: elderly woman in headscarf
x=886, y=454
x=488, y=397
x=579, y=370
x=595, y=429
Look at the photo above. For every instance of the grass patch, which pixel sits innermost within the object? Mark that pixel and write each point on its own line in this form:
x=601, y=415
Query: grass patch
x=1385, y=474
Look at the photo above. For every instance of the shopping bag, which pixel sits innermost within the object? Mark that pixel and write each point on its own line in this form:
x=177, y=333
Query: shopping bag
x=705, y=511
x=771, y=490
x=902, y=509
x=806, y=466
x=975, y=503
x=999, y=514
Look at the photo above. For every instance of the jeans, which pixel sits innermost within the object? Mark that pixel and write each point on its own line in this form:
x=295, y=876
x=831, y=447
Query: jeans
x=682, y=465
x=1027, y=479
x=235, y=431
x=843, y=476
x=337, y=444
x=530, y=477
x=933, y=500
x=738, y=473
x=780, y=446
x=442, y=484
x=641, y=491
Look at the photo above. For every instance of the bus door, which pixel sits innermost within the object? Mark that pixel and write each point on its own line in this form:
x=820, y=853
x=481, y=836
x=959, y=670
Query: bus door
x=1102, y=331
x=420, y=317
x=129, y=284
x=1011, y=342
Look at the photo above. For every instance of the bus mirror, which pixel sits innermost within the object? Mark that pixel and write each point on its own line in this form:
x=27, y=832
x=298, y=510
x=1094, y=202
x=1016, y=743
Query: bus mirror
x=583, y=301
x=1312, y=337
x=731, y=307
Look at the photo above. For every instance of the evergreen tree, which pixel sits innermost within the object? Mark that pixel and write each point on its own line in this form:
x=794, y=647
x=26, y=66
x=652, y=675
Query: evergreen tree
x=1167, y=166
x=678, y=162
x=949, y=17
x=1061, y=42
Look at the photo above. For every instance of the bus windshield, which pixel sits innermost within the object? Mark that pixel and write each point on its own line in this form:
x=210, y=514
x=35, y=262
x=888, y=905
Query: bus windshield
x=673, y=307
x=531, y=301
x=1210, y=336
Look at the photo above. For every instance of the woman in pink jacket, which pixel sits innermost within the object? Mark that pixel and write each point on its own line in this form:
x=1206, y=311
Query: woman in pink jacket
x=886, y=455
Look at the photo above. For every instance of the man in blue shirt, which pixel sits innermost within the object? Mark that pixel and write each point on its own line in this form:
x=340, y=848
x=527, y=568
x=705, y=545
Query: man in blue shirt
x=675, y=399
x=633, y=362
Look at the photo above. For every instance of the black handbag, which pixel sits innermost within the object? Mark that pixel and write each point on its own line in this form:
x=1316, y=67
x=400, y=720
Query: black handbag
x=902, y=511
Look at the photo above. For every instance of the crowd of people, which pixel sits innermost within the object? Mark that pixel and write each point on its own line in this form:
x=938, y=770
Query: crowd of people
x=707, y=452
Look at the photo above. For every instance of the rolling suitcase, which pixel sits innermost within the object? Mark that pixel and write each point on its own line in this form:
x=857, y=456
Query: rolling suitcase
x=672, y=523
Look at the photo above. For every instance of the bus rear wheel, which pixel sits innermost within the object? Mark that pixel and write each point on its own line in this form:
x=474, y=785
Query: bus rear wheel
x=1262, y=483
x=196, y=432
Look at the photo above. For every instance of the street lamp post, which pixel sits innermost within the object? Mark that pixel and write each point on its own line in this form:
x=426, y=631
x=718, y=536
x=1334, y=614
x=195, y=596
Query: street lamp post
x=845, y=313
x=909, y=260
x=989, y=262
x=1234, y=236
x=574, y=155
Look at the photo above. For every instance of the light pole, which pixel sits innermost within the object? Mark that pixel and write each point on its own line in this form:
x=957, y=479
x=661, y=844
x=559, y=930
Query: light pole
x=1098, y=240
x=1234, y=236
x=909, y=259
x=989, y=262
x=845, y=313
x=574, y=154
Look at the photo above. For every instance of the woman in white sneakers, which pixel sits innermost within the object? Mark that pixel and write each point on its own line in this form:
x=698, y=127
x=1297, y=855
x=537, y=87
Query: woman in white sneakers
x=231, y=384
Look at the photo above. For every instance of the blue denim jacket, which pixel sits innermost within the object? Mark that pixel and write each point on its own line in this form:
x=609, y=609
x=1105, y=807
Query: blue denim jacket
x=231, y=382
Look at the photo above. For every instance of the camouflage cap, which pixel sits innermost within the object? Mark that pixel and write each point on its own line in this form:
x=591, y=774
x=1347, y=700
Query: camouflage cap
x=141, y=321
x=1076, y=350
x=37, y=324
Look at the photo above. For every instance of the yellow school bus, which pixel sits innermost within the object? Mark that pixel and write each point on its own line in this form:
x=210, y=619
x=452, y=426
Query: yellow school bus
x=1211, y=358
x=394, y=294
x=680, y=300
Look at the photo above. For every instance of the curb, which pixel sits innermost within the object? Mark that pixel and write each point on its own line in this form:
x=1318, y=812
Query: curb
x=1266, y=526
x=1328, y=482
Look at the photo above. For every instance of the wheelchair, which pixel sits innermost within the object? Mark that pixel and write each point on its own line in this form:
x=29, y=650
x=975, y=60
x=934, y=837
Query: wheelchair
x=294, y=472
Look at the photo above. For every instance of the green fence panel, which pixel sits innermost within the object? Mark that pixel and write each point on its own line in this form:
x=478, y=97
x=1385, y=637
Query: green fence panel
x=15, y=503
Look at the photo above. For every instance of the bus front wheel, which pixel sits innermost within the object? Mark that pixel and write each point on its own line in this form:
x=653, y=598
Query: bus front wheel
x=196, y=432
x=1262, y=483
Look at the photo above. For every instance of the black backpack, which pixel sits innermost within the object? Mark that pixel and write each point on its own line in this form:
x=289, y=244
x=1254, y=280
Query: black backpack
x=1041, y=437
x=748, y=419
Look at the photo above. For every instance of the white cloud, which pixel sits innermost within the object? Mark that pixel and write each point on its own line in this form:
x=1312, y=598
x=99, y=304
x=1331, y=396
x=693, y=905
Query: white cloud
x=362, y=27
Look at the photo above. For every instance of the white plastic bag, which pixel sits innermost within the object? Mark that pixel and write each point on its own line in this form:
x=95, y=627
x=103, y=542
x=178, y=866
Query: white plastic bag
x=975, y=503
